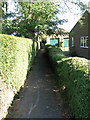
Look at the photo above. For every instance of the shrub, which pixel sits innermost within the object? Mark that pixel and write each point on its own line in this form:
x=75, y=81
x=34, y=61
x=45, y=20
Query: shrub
x=17, y=55
x=16, y=60
x=62, y=43
x=72, y=73
x=73, y=54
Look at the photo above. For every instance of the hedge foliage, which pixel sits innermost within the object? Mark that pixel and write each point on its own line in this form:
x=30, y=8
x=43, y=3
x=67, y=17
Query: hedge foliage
x=72, y=75
x=17, y=55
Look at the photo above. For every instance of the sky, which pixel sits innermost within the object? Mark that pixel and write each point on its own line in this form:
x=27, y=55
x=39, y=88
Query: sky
x=72, y=16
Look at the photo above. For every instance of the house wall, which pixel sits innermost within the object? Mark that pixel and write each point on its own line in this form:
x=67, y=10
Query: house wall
x=89, y=34
x=48, y=40
x=79, y=30
x=60, y=37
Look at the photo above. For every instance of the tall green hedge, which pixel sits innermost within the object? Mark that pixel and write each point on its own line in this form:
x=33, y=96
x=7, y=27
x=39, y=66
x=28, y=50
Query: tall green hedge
x=72, y=75
x=17, y=55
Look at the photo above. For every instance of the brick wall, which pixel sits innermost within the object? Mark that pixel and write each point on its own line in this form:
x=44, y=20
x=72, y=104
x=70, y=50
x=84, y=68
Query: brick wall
x=79, y=30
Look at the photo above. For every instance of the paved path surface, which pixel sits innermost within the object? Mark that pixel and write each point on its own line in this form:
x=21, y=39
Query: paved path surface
x=39, y=98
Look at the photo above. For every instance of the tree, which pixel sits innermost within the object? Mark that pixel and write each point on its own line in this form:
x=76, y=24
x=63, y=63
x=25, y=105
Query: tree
x=3, y=10
x=37, y=17
x=9, y=26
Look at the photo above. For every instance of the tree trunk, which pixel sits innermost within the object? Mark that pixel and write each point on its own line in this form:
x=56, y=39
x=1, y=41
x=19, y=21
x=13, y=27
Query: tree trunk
x=33, y=36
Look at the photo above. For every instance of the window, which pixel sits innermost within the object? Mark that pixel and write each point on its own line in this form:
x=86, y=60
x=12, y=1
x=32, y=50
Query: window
x=84, y=42
x=72, y=41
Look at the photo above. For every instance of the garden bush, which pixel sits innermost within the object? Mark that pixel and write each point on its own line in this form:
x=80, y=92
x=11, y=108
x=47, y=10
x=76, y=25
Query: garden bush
x=74, y=54
x=72, y=75
x=17, y=55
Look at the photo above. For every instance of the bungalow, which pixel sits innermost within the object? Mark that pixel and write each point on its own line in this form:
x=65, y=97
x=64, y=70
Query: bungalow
x=60, y=36
x=78, y=38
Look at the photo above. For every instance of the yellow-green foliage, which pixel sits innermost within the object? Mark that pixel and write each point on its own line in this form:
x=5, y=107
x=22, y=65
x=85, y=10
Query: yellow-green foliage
x=16, y=59
x=62, y=43
x=72, y=73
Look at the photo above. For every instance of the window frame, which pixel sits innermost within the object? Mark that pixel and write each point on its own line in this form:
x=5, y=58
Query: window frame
x=84, y=43
x=72, y=41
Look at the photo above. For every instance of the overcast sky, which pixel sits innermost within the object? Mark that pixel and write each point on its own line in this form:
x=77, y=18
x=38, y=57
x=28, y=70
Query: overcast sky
x=72, y=16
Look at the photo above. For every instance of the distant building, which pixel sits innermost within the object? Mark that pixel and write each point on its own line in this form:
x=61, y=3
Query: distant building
x=60, y=36
x=78, y=38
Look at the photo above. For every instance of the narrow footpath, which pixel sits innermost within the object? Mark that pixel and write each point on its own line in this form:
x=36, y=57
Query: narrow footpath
x=39, y=99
